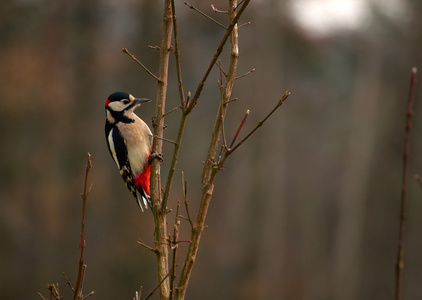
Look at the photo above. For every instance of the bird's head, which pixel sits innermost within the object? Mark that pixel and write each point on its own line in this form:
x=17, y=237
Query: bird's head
x=121, y=105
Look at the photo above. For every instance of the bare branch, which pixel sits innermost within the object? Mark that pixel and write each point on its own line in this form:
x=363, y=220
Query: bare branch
x=89, y=294
x=232, y=100
x=156, y=47
x=170, y=111
x=246, y=74
x=68, y=282
x=160, y=214
x=223, y=133
x=174, y=245
x=260, y=123
x=175, y=156
x=244, y=24
x=166, y=140
x=81, y=270
x=239, y=4
x=187, y=99
x=216, y=55
x=140, y=242
x=210, y=169
x=184, y=105
x=406, y=150
x=205, y=15
x=185, y=196
x=158, y=285
x=177, y=56
x=54, y=291
x=138, y=294
x=218, y=64
x=218, y=11
x=238, y=130
x=141, y=64
x=42, y=297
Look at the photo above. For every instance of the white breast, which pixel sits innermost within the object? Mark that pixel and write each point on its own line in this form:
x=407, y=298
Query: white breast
x=138, y=138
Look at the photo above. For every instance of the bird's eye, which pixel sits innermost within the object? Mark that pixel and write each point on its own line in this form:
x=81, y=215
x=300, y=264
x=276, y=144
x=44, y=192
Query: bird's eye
x=126, y=101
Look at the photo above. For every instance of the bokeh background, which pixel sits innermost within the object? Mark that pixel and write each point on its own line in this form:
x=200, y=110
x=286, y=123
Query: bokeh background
x=307, y=209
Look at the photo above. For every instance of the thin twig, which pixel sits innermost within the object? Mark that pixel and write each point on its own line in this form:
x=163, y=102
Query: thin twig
x=140, y=242
x=238, y=130
x=216, y=55
x=141, y=64
x=218, y=64
x=244, y=24
x=89, y=294
x=170, y=111
x=239, y=4
x=177, y=56
x=246, y=74
x=205, y=15
x=156, y=47
x=158, y=285
x=218, y=11
x=164, y=139
x=185, y=197
x=81, y=270
x=175, y=157
x=260, y=123
x=406, y=150
x=174, y=246
x=138, y=294
x=42, y=297
x=232, y=100
x=188, y=98
x=68, y=282
x=223, y=133
x=54, y=291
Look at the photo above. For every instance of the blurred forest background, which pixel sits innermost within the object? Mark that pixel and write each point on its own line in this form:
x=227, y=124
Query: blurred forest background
x=306, y=209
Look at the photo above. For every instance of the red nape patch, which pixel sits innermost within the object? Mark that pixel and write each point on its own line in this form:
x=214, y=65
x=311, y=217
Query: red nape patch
x=143, y=180
x=107, y=102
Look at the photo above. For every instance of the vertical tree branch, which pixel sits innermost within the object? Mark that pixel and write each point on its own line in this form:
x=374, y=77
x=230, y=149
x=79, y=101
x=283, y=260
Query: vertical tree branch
x=400, y=253
x=82, y=267
x=175, y=156
x=217, y=53
x=177, y=56
x=186, y=107
x=184, y=112
x=160, y=214
x=210, y=169
x=174, y=245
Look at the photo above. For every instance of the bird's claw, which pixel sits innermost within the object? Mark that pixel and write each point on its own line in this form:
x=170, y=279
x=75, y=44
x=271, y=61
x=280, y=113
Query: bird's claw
x=154, y=155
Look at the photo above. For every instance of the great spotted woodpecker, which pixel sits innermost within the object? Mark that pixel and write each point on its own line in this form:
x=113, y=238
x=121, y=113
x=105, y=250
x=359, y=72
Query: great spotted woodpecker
x=129, y=141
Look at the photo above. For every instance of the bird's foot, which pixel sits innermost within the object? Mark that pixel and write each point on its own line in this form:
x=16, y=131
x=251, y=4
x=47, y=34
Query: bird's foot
x=154, y=155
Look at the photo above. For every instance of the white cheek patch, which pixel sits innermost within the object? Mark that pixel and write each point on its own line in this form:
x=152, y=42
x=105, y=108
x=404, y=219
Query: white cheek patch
x=117, y=106
x=113, y=151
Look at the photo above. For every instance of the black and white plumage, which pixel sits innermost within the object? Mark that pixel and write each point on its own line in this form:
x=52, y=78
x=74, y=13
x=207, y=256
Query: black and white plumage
x=129, y=141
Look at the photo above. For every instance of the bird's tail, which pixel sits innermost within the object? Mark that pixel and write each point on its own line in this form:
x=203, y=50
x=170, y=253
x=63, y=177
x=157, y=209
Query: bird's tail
x=143, y=199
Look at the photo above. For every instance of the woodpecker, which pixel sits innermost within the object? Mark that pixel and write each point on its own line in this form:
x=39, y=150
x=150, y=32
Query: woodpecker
x=129, y=141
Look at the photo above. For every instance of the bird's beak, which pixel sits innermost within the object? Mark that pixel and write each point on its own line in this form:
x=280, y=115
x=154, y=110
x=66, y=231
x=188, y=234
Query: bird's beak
x=139, y=101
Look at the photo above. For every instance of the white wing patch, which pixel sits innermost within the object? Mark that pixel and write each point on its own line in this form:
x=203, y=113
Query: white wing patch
x=113, y=151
